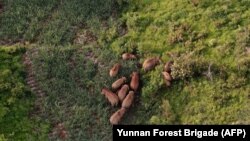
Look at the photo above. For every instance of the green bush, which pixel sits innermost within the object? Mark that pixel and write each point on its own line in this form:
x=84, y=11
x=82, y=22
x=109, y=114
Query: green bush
x=189, y=65
x=16, y=100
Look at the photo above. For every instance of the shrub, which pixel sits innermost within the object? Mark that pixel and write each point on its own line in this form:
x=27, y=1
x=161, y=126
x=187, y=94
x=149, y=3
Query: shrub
x=16, y=100
x=188, y=65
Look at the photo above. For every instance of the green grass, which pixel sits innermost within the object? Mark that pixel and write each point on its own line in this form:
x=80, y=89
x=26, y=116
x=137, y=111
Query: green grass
x=215, y=33
x=73, y=83
x=16, y=100
x=195, y=34
x=50, y=21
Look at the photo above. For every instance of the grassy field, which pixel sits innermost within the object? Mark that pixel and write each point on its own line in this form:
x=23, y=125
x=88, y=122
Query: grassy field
x=50, y=21
x=78, y=42
x=196, y=35
x=73, y=78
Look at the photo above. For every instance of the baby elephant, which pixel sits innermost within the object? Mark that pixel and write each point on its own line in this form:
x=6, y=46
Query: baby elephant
x=168, y=83
x=128, y=56
x=122, y=92
x=150, y=63
x=117, y=84
x=112, y=98
x=168, y=65
x=117, y=116
x=167, y=76
x=114, y=70
x=134, y=84
x=127, y=102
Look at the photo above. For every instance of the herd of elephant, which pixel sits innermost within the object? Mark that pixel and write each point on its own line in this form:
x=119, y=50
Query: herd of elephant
x=123, y=92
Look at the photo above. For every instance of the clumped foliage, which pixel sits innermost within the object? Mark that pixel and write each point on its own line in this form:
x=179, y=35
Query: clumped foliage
x=16, y=100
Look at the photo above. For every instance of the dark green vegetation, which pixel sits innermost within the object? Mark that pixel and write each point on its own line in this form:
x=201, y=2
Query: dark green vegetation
x=50, y=21
x=208, y=40
x=16, y=101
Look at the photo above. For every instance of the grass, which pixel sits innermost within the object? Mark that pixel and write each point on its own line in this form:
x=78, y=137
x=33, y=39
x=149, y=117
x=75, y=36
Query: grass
x=16, y=100
x=195, y=34
x=78, y=104
x=218, y=37
x=50, y=22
